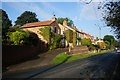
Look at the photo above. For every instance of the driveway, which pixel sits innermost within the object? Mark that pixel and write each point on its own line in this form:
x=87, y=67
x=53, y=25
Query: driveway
x=98, y=66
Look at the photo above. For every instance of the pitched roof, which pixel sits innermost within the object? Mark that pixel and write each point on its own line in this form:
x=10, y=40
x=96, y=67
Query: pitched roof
x=42, y=23
x=93, y=41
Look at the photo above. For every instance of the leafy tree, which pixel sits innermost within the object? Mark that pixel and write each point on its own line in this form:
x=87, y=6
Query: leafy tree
x=116, y=43
x=26, y=17
x=69, y=22
x=109, y=38
x=107, y=42
x=112, y=16
x=6, y=23
x=97, y=38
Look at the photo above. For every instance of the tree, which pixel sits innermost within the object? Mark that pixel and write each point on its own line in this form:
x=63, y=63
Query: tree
x=96, y=38
x=6, y=23
x=112, y=16
x=107, y=42
x=109, y=38
x=26, y=17
x=69, y=22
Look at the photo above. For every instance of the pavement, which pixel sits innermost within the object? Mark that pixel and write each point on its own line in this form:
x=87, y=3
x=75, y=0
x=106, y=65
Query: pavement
x=99, y=66
x=38, y=61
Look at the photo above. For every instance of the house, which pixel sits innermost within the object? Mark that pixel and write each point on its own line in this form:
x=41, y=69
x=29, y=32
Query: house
x=34, y=27
x=99, y=42
x=80, y=34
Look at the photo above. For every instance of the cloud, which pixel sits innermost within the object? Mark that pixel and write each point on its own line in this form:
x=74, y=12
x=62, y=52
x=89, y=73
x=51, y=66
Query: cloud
x=75, y=19
x=53, y=8
x=90, y=11
x=21, y=7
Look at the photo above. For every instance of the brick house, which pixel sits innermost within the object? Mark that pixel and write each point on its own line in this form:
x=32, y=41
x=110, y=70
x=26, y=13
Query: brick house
x=66, y=27
x=34, y=27
x=80, y=34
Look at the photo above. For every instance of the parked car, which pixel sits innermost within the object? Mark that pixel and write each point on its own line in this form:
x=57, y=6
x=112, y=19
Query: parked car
x=118, y=50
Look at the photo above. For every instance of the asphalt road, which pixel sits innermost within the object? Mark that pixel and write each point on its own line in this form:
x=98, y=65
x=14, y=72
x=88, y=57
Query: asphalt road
x=99, y=66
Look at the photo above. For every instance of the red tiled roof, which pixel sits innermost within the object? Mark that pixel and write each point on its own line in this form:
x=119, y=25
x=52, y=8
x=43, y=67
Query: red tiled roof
x=42, y=23
x=14, y=26
x=93, y=41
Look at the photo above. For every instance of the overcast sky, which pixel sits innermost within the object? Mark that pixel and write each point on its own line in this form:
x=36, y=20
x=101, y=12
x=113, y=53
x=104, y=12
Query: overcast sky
x=84, y=16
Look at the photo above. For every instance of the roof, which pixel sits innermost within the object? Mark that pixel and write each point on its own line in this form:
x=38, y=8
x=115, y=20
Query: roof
x=42, y=23
x=93, y=41
x=14, y=26
x=62, y=25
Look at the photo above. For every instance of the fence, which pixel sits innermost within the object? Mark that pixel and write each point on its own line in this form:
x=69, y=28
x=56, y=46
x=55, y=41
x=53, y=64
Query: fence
x=12, y=54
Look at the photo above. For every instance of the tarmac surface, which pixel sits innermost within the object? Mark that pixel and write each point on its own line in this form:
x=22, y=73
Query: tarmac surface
x=104, y=65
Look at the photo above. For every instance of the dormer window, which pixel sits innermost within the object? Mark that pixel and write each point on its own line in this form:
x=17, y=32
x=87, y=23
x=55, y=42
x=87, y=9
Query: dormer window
x=31, y=25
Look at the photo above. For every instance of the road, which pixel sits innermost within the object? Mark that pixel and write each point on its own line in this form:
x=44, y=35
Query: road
x=99, y=66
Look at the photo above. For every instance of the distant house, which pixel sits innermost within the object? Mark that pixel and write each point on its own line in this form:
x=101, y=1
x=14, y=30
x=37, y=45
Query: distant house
x=99, y=42
x=34, y=27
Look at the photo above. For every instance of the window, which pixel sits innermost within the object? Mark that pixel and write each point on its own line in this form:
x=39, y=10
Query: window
x=51, y=40
x=31, y=25
x=51, y=29
x=55, y=29
x=40, y=38
x=58, y=31
x=63, y=32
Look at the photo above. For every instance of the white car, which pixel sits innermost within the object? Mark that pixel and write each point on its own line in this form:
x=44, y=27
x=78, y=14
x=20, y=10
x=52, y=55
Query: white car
x=118, y=51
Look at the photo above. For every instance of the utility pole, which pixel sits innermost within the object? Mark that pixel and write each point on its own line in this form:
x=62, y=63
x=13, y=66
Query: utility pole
x=100, y=32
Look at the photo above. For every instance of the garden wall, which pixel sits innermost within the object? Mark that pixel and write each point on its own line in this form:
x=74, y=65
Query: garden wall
x=12, y=54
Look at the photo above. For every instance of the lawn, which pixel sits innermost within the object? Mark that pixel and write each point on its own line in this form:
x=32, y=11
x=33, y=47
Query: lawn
x=60, y=58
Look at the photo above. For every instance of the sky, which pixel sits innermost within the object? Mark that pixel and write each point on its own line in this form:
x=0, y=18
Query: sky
x=85, y=16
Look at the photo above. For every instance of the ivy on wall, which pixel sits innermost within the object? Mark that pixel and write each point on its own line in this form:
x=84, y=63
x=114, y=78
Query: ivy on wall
x=56, y=41
x=69, y=36
x=46, y=33
x=74, y=38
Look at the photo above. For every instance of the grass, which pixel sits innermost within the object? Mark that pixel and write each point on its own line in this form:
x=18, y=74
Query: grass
x=60, y=58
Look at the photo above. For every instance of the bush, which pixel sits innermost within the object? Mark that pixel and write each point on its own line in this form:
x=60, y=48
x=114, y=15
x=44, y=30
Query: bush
x=33, y=39
x=86, y=42
x=91, y=47
x=18, y=38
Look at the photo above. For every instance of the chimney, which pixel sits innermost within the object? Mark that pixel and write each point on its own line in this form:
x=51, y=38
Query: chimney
x=74, y=27
x=81, y=30
x=54, y=19
x=65, y=22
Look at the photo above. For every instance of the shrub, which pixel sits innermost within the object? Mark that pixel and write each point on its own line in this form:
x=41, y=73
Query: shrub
x=18, y=38
x=91, y=47
x=86, y=42
x=78, y=38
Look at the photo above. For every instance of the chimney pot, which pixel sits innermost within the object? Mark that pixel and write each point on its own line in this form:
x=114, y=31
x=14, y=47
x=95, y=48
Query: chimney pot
x=54, y=19
x=65, y=22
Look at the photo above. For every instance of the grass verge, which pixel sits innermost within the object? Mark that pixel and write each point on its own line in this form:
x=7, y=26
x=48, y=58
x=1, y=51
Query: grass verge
x=60, y=58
